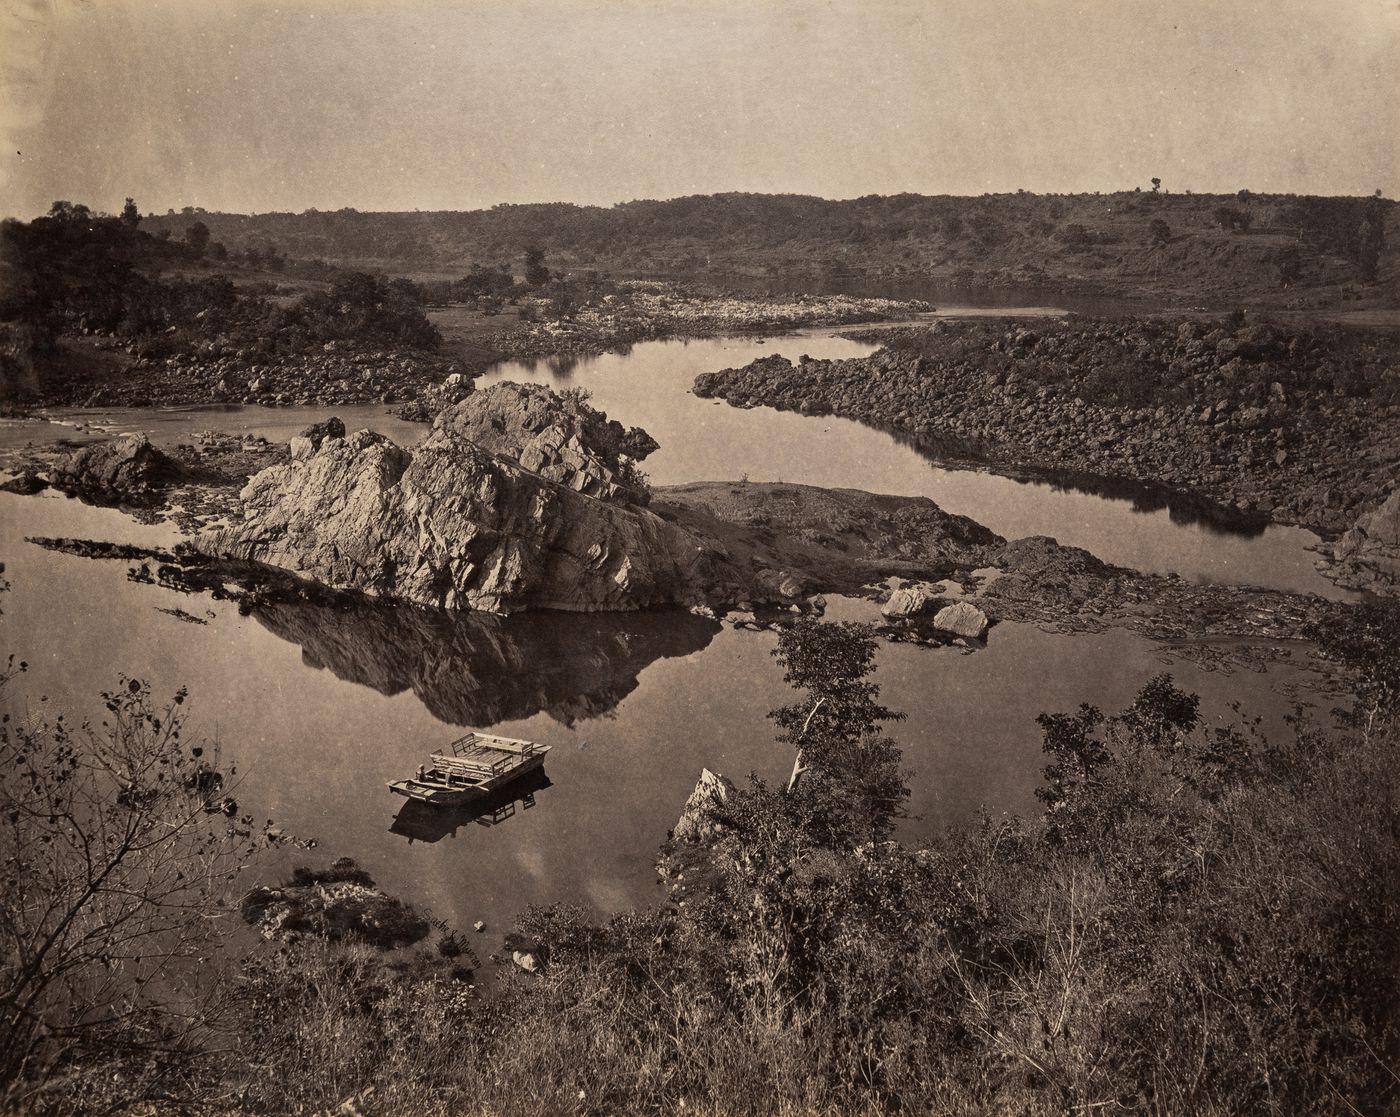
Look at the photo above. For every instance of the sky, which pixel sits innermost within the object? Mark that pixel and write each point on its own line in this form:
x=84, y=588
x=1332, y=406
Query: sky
x=256, y=105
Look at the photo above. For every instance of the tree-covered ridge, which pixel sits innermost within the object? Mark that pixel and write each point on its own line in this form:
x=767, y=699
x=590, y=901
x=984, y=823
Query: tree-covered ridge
x=77, y=273
x=1269, y=239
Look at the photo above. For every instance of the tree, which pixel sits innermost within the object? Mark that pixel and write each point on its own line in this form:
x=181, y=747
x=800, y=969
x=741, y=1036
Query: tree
x=1156, y=185
x=1159, y=232
x=836, y=729
x=1371, y=239
x=65, y=211
x=197, y=237
x=131, y=216
x=1237, y=220
x=536, y=274
x=118, y=856
x=1075, y=237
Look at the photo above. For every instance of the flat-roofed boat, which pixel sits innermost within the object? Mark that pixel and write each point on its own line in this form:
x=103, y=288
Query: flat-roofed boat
x=470, y=767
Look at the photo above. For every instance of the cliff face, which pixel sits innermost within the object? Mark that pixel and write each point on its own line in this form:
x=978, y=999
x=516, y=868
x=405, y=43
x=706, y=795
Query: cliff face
x=451, y=523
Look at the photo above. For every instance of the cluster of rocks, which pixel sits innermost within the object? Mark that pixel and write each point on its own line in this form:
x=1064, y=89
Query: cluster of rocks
x=339, y=903
x=1225, y=426
x=195, y=484
x=335, y=373
x=921, y=600
x=649, y=312
x=432, y=399
x=557, y=436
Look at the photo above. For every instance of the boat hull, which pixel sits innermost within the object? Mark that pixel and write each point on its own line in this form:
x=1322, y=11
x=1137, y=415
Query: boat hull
x=439, y=794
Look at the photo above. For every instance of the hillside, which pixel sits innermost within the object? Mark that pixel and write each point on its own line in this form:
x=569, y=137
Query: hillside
x=1290, y=249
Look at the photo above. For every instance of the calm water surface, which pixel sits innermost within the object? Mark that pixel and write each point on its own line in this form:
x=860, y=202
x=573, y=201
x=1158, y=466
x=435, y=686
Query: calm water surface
x=318, y=708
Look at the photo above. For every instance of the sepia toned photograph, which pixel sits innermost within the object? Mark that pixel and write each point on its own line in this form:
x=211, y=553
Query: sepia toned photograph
x=705, y=558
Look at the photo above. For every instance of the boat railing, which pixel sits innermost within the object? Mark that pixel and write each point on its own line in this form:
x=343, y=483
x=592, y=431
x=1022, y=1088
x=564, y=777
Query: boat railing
x=474, y=741
x=473, y=766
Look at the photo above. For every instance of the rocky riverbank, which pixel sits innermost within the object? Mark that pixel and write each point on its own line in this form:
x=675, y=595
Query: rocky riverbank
x=334, y=373
x=1301, y=425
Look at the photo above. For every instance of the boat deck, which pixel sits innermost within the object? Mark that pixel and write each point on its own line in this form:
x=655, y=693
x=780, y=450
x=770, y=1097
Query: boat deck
x=473, y=765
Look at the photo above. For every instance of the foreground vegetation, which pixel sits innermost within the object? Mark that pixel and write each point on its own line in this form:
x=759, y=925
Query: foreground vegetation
x=1201, y=921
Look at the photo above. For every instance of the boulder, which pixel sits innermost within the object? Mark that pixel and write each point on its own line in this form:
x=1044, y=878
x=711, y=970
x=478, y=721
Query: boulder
x=912, y=600
x=26, y=483
x=527, y=960
x=309, y=441
x=1252, y=418
x=698, y=822
x=962, y=619
x=126, y=468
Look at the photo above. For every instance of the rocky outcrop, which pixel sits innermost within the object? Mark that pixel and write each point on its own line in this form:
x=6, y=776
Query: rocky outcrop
x=556, y=436
x=128, y=470
x=698, y=821
x=341, y=903
x=1367, y=556
x=452, y=524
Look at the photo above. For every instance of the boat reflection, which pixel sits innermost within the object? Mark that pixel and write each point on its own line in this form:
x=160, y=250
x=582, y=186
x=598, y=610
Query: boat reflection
x=419, y=822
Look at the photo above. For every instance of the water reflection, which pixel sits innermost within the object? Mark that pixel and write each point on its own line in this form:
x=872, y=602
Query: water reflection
x=475, y=669
x=1182, y=506
x=419, y=822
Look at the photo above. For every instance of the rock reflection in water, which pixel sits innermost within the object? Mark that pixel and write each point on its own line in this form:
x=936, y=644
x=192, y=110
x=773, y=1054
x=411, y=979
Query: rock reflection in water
x=478, y=669
x=1183, y=507
x=420, y=822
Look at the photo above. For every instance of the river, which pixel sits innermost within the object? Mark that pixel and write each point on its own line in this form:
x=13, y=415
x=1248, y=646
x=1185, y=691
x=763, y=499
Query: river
x=318, y=708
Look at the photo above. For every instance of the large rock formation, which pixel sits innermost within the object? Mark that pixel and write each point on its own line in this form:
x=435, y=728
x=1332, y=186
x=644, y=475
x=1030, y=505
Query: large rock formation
x=1367, y=557
x=454, y=523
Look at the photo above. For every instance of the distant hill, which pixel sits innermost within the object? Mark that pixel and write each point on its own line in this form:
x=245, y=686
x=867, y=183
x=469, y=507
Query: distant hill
x=1221, y=244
